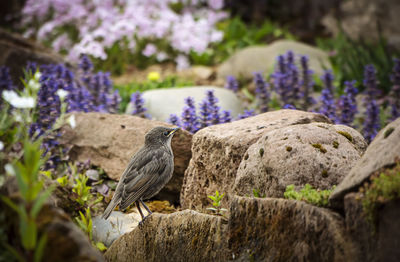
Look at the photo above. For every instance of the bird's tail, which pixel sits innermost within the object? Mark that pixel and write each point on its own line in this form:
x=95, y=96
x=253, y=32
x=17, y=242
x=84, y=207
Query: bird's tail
x=109, y=209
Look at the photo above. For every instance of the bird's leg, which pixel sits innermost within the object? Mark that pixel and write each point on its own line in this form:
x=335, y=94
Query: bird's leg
x=148, y=210
x=140, y=211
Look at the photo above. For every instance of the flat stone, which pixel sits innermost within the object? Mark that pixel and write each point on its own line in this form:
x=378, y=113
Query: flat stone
x=383, y=151
x=314, y=154
x=262, y=59
x=160, y=103
x=218, y=150
x=118, y=224
x=181, y=236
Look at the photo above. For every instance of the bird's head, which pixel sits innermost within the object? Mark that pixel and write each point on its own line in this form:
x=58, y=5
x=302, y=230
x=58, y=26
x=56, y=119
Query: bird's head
x=160, y=135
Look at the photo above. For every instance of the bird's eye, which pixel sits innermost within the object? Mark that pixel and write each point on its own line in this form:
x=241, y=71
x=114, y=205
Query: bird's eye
x=166, y=133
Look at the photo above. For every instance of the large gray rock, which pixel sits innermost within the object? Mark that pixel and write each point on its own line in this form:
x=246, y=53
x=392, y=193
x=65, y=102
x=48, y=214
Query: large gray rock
x=181, y=236
x=218, y=150
x=360, y=18
x=382, y=152
x=263, y=58
x=118, y=224
x=314, y=154
x=110, y=140
x=271, y=229
x=160, y=103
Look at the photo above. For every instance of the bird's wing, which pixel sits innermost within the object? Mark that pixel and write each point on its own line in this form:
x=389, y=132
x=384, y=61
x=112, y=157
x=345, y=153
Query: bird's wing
x=138, y=179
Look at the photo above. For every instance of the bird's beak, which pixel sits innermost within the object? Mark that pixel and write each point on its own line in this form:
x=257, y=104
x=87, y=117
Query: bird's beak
x=173, y=131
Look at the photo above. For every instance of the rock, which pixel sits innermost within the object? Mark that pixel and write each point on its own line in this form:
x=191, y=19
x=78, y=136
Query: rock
x=271, y=229
x=218, y=150
x=360, y=19
x=382, y=152
x=181, y=236
x=314, y=154
x=93, y=174
x=106, y=231
x=263, y=58
x=16, y=51
x=65, y=241
x=360, y=230
x=109, y=141
x=160, y=103
x=375, y=242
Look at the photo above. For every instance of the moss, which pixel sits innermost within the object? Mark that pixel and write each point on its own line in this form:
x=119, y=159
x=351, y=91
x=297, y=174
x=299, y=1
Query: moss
x=261, y=151
x=335, y=144
x=388, y=132
x=289, y=148
x=346, y=135
x=161, y=206
x=383, y=187
x=320, y=147
x=324, y=173
x=309, y=194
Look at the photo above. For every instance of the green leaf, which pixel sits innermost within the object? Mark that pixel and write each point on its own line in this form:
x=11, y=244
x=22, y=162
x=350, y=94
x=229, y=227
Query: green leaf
x=10, y=204
x=40, y=248
x=29, y=234
x=40, y=201
x=100, y=246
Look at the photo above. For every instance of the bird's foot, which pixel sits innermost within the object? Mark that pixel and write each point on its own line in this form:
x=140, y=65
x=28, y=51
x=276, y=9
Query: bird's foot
x=142, y=221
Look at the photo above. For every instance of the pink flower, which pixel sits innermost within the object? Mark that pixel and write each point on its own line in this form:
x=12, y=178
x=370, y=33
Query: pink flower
x=149, y=50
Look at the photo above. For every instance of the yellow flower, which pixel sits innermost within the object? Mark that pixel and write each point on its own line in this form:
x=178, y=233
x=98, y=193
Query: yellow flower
x=153, y=76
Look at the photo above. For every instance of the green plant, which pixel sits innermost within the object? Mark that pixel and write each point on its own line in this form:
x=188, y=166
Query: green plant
x=349, y=57
x=309, y=194
x=33, y=197
x=238, y=35
x=216, y=202
x=81, y=189
x=63, y=181
x=256, y=193
x=383, y=187
x=85, y=222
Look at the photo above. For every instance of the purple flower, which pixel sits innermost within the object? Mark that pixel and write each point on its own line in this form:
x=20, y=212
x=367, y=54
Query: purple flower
x=262, y=93
x=347, y=106
x=212, y=102
x=205, y=114
x=370, y=82
x=394, y=99
x=372, y=121
x=232, y=84
x=226, y=117
x=5, y=79
x=138, y=105
x=174, y=119
x=306, y=83
x=246, y=114
x=327, y=100
x=189, y=118
x=289, y=106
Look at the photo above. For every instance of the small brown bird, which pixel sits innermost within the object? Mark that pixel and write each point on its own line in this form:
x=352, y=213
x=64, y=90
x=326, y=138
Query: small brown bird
x=147, y=172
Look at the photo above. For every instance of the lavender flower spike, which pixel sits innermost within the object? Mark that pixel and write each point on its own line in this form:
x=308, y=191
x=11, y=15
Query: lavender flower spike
x=174, y=119
x=261, y=92
x=372, y=121
x=327, y=100
x=347, y=105
x=189, y=118
x=138, y=105
x=232, y=84
x=246, y=114
x=395, y=92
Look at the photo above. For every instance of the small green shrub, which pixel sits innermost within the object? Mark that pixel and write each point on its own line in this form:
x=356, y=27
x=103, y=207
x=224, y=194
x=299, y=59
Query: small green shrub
x=216, y=202
x=383, y=187
x=309, y=194
x=257, y=193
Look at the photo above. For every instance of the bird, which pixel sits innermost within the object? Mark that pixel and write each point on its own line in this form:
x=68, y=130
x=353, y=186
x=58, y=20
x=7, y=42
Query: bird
x=147, y=172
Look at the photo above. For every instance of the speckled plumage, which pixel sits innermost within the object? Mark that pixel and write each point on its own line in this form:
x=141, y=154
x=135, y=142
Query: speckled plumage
x=147, y=172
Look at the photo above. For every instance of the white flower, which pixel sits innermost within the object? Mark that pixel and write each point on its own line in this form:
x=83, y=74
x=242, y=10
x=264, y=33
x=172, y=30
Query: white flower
x=17, y=116
x=62, y=94
x=71, y=121
x=17, y=101
x=1, y=146
x=9, y=169
x=37, y=76
x=35, y=85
